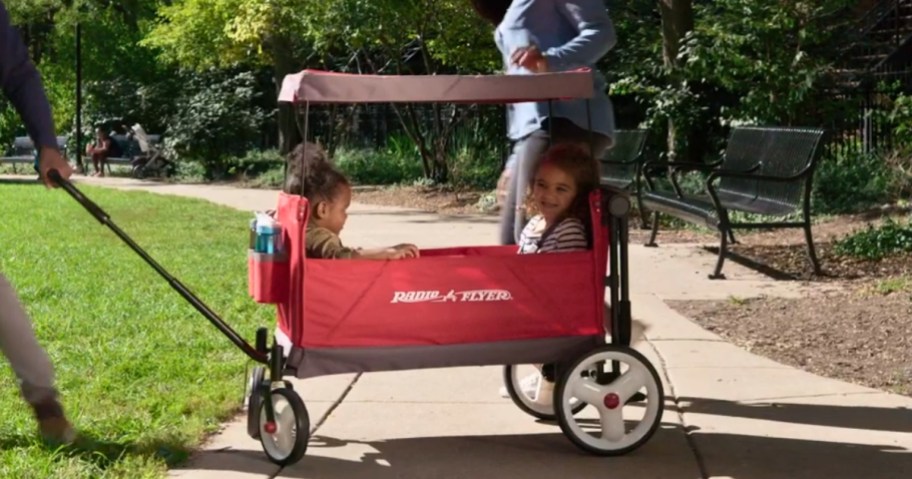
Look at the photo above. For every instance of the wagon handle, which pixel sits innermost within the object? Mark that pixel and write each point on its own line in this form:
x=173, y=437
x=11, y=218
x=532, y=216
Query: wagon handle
x=105, y=219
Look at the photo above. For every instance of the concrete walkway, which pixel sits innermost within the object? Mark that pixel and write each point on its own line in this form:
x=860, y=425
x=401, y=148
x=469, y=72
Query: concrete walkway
x=729, y=413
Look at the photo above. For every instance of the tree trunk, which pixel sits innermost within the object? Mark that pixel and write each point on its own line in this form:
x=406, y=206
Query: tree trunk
x=283, y=63
x=677, y=21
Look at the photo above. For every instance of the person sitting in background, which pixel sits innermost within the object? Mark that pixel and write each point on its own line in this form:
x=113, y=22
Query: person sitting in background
x=100, y=150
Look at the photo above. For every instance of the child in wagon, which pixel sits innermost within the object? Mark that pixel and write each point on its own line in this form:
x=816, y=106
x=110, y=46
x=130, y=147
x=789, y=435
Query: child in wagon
x=328, y=192
x=559, y=195
x=560, y=190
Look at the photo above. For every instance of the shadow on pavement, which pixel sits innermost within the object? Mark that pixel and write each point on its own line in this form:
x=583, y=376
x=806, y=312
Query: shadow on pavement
x=758, y=457
x=752, y=264
x=550, y=456
x=853, y=417
x=531, y=456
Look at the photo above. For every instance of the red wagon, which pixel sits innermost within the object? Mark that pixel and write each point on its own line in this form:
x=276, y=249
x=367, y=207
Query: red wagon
x=476, y=305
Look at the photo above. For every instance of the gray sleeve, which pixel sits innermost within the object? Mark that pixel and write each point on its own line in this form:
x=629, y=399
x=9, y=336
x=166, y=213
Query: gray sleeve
x=596, y=35
x=22, y=84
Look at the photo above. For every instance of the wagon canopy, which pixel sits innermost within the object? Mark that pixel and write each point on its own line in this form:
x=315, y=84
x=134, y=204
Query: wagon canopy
x=315, y=86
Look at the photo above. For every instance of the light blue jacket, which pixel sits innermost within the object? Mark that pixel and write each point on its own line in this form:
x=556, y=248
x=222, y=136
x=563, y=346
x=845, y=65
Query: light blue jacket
x=571, y=34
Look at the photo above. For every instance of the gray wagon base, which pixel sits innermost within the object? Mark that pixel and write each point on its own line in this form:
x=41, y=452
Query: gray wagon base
x=311, y=362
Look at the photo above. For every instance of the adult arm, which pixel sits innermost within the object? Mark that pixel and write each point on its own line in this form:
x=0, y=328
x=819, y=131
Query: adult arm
x=596, y=35
x=22, y=85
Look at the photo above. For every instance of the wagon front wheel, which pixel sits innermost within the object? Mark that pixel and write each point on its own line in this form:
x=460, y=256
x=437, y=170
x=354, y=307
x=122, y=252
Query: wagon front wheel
x=521, y=383
x=624, y=389
x=285, y=439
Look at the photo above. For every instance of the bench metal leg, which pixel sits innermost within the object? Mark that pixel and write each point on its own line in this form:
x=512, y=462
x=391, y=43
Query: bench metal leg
x=723, y=249
x=655, y=230
x=731, y=236
x=812, y=252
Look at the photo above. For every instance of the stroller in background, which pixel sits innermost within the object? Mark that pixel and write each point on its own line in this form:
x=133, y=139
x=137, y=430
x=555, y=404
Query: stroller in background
x=150, y=162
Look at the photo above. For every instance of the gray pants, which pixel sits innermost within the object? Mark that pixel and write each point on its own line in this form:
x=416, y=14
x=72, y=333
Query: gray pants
x=18, y=343
x=524, y=161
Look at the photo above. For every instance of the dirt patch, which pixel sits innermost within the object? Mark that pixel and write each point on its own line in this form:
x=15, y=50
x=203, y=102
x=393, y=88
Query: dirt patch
x=783, y=253
x=444, y=201
x=863, y=336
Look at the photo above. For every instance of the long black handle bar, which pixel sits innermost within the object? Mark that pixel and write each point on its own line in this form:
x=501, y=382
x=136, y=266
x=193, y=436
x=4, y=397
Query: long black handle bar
x=213, y=318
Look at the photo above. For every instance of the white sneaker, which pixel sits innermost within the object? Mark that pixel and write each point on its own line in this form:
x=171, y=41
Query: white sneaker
x=528, y=385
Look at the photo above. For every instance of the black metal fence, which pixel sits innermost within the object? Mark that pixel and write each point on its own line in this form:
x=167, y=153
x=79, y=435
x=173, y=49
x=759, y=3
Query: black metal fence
x=377, y=126
x=880, y=69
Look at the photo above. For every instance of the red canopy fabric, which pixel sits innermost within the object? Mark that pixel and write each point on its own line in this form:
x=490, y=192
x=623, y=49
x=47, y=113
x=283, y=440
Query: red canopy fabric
x=315, y=86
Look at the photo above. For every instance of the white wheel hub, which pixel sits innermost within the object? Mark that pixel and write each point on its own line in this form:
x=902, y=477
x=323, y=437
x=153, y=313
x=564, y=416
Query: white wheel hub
x=619, y=425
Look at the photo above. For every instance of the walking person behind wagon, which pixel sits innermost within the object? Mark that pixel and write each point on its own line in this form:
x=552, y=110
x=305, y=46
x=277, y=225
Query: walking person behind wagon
x=536, y=36
x=22, y=85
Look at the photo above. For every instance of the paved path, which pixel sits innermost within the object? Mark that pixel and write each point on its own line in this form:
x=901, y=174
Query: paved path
x=729, y=413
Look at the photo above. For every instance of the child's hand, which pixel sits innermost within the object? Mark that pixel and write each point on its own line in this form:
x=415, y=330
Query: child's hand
x=406, y=250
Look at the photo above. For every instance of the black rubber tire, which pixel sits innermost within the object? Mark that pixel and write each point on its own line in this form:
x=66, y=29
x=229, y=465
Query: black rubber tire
x=302, y=428
x=562, y=419
x=514, y=395
x=254, y=401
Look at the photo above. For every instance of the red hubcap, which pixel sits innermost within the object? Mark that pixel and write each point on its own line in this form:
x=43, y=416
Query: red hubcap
x=269, y=427
x=612, y=401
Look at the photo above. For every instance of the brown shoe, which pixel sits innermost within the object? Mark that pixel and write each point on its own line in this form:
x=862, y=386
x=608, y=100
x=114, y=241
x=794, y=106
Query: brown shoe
x=56, y=430
x=52, y=423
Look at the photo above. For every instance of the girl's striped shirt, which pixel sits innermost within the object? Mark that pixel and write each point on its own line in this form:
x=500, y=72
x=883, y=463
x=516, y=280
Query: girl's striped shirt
x=568, y=235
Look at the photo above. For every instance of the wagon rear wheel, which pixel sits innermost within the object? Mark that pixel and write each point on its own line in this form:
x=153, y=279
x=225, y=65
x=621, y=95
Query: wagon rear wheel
x=254, y=400
x=624, y=389
x=285, y=440
x=525, y=397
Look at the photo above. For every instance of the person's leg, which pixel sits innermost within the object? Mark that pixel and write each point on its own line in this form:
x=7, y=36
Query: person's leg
x=527, y=151
x=508, y=206
x=31, y=365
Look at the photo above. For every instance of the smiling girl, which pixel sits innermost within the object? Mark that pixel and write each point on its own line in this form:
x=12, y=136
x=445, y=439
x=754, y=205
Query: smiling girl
x=560, y=197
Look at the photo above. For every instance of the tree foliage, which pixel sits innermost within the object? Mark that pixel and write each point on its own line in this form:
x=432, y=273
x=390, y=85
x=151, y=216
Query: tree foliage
x=697, y=66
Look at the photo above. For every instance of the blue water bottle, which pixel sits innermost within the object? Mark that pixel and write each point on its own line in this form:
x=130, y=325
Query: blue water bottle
x=268, y=233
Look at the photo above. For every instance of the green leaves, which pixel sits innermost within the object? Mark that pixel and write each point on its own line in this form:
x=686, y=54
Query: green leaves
x=875, y=243
x=774, y=53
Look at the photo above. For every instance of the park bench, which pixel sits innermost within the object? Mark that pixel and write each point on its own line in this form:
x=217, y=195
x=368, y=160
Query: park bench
x=23, y=152
x=766, y=171
x=621, y=166
x=130, y=148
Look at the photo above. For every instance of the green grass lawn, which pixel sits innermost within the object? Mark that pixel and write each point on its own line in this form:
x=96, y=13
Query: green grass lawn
x=141, y=373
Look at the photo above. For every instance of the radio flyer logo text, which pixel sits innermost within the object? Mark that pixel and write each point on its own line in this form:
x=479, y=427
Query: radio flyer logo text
x=453, y=296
